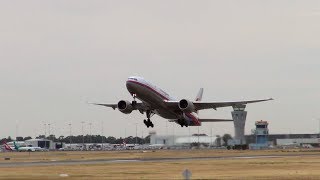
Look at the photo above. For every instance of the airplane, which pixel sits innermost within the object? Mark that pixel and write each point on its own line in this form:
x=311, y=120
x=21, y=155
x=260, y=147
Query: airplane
x=156, y=101
x=20, y=149
x=6, y=147
x=27, y=148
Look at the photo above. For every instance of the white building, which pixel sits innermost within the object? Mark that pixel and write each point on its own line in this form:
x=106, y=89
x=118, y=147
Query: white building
x=43, y=143
x=182, y=140
x=298, y=141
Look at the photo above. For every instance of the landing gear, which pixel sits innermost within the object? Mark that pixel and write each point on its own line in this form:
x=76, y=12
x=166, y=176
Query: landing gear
x=148, y=122
x=134, y=102
x=183, y=122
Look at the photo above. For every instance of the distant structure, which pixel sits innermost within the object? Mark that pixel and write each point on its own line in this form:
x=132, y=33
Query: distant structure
x=44, y=143
x=261, y=133
x=239, y=116
x=187, y=141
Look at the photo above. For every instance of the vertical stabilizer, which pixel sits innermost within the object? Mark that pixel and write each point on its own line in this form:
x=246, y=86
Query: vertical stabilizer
x=199, y=95
x=7, y=147
x=15, y=145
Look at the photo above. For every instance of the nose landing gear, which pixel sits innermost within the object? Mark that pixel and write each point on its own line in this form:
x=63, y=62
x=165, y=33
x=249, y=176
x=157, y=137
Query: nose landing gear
x=134, y=102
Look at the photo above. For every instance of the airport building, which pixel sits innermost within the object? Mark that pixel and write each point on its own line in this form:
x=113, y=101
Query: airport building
x=289, y=139
x=44, y=143
x=261, y=133
x=171, y=140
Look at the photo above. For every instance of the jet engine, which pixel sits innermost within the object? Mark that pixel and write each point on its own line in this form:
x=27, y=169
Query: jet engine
x=125, y=107
x=186, y=106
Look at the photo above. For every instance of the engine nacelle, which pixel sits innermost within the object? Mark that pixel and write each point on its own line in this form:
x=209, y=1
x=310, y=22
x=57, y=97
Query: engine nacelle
x=125, y=107
x=186, y=106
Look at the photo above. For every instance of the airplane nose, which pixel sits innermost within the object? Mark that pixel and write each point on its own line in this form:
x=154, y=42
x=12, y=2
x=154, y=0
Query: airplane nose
x=130, y=87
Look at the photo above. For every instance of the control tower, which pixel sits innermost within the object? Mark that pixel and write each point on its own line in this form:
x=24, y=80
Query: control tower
x=262, y=132
x=239, y=116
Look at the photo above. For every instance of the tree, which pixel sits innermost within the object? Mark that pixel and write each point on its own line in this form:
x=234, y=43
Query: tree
x=27, y=138
x=41, y=137
x=19, y=138
x=147, y=140
x=9, y=139
x=111, y=140
x=225, y=139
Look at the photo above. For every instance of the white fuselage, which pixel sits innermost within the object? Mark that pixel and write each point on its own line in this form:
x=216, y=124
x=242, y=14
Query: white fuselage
x=155, y=98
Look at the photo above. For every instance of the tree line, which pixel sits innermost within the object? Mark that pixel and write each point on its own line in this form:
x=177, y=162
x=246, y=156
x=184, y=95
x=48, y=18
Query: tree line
x=86, y=139
x=103, y=139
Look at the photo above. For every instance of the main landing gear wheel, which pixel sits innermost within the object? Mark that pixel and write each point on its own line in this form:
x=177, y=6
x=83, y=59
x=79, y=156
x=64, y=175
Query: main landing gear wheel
x=183, y=123
x=148, y=123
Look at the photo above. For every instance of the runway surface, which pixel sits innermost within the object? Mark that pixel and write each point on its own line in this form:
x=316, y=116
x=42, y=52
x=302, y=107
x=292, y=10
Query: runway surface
x=105, y=161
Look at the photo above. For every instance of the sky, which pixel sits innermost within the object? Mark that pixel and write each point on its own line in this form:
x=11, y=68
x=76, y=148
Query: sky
x=55, y=56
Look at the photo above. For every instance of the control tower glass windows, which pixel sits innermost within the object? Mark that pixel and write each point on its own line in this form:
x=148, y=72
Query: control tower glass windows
x=239, y=107
x=261, y=126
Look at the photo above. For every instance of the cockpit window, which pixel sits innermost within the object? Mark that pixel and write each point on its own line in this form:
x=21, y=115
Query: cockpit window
x=133, y=79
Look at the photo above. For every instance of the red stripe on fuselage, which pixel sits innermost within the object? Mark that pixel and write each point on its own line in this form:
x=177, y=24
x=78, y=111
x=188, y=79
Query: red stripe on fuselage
x=194, y=119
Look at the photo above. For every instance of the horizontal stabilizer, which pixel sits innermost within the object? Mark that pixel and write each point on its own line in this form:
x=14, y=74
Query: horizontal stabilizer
x=215, y=120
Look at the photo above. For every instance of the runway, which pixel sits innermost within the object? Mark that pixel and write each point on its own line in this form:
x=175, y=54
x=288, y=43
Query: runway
x=105, y=161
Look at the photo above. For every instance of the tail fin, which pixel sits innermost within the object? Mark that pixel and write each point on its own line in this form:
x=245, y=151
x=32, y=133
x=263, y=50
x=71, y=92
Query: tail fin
x=199, y=95
x=15, y=145
x=7, y=147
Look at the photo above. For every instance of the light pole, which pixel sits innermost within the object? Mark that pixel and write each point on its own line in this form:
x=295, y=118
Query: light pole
x=45, y=135
x=90, y=124
x=70, y=134
x=45, y=130
x=49, y=130
x=173, y=136
x=211, y=135
x=167, y=129
x=189, y=136
x=198, y=137
x=136, y=133
x=319, y=126
x=16, y=129
x=82, y=134
x=102, y=135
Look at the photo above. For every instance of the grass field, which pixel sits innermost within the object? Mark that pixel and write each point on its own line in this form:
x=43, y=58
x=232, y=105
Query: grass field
x=296, y=167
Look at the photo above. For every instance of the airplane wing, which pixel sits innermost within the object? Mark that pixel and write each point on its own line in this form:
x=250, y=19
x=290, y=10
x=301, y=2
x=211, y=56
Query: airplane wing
x=113, y=106
x=214, y=105
x=215, y=120
x=139, y=106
